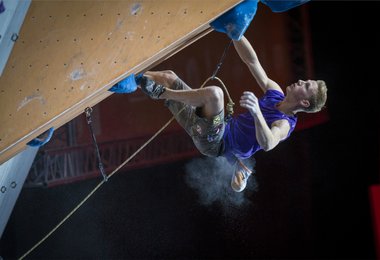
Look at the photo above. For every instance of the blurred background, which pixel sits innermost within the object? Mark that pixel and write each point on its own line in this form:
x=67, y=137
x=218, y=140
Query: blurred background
x=309, y=197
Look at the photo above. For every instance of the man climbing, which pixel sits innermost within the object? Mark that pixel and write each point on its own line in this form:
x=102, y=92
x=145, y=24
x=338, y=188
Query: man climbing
x=268, y=120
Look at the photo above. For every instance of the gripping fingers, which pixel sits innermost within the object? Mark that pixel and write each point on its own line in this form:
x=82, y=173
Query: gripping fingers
x=249, y=101
x=248, y=97
x=246, y=102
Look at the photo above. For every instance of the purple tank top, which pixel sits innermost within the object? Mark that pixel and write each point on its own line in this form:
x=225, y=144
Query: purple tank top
x=240, y=132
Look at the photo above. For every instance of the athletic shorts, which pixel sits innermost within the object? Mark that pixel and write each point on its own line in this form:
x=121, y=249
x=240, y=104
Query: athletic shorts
x=207, y=134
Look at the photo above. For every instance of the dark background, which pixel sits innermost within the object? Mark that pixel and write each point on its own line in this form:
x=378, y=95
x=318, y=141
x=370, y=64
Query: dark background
x=312, y=196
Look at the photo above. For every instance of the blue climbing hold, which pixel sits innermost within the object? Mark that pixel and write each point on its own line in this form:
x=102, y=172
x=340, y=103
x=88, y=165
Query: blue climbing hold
x=278, y=6
x=42, y=139
x=236, y=21
x=127, y=85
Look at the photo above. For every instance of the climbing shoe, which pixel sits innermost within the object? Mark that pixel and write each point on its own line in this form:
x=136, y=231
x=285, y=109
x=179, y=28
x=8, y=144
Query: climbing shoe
x=151, y=88
x=240, y=177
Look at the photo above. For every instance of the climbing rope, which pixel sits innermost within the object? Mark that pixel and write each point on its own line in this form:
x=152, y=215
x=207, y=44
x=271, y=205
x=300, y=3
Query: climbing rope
x=229, y=111
x=230, y=103
x=221, y=60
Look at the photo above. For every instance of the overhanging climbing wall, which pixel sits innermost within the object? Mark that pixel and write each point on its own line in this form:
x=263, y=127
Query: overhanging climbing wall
x=69, y=53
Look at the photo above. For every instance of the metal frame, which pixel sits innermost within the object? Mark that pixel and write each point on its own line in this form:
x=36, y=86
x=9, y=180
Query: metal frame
x=65, y=165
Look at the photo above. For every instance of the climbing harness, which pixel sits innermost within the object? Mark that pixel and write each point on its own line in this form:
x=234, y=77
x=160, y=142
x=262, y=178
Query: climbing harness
x=88, y=112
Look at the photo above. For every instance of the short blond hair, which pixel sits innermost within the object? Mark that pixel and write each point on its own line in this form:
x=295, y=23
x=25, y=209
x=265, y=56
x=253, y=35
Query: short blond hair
x=318, y=100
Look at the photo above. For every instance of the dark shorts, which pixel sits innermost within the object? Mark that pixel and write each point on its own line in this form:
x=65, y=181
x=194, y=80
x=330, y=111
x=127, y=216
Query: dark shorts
x=207, y=134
